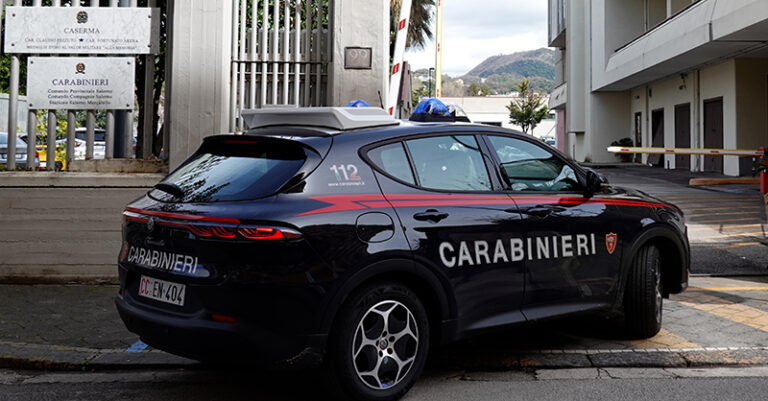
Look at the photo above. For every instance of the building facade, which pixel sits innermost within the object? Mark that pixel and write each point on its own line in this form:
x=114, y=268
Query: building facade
x=492, y=110
x=671, y=73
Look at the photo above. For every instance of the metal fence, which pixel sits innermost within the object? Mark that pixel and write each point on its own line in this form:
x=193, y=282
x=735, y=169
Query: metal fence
x=280, y=54
x=52, y=119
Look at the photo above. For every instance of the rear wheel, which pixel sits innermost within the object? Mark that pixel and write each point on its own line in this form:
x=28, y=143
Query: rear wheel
x=379, y=345
x=643, y=296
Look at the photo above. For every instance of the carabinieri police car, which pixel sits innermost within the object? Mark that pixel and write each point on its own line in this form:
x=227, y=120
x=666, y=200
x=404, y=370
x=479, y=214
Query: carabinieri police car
x=345, y=237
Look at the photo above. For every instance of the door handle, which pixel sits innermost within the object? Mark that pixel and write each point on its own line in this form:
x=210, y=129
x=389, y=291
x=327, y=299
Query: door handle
x=430, y=215
x=544, y=210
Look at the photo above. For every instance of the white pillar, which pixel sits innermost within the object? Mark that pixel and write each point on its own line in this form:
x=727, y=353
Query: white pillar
x=366, y=24
x=197, y=74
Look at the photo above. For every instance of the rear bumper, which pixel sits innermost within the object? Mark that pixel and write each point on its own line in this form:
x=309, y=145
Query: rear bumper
x=200, y=338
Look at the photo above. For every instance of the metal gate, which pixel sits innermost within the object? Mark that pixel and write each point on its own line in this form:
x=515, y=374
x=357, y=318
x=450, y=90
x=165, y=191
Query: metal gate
x=280, y=54
x=52, y=119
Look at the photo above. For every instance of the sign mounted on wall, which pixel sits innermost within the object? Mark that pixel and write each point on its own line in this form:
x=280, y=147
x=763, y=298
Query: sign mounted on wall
x=358, y=58
x=78, y=30
x=81, y=83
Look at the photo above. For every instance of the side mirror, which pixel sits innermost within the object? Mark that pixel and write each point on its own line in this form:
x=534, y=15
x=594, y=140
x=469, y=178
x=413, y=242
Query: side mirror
x=595, y=182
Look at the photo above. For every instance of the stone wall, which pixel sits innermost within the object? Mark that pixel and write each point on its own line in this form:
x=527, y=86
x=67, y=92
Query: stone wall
x=64, y=227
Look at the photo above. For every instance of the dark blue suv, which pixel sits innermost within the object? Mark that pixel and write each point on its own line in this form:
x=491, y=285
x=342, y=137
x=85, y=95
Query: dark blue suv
x=343, y=237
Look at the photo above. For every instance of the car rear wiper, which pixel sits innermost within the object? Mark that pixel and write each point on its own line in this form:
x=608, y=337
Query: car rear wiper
x=170, y=188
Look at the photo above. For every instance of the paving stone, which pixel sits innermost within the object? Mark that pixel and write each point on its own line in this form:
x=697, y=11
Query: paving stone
x=638, y=359
x=539, y=361
x=729, y=357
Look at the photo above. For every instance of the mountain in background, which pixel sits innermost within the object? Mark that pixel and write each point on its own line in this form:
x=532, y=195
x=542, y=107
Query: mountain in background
x=501, y=74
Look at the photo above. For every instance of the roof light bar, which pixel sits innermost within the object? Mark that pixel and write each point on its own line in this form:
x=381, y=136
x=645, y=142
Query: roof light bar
x=340, y=118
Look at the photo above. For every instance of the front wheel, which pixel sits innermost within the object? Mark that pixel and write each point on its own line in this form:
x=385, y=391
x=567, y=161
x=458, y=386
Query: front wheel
x=643, y=296
x=380, y=343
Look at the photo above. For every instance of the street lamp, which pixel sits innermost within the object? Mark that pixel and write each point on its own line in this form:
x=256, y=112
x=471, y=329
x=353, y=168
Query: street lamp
x=431, y=71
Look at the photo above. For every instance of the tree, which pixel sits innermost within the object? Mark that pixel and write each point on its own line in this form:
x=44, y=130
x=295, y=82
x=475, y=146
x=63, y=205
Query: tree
x=420, y=27
x=528, y=110
x=478, y=90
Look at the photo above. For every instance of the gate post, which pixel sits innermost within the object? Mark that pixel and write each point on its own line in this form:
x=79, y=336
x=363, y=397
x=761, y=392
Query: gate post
x=197, y=74
x=366, y=25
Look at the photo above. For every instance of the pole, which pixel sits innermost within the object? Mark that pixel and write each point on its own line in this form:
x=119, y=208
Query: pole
x=429, y=82
x=439, y=51
x=397, y=67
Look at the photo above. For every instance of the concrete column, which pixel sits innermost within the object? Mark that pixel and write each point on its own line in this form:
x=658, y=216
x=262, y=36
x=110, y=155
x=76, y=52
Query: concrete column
x=197, y=74
x=366, y=24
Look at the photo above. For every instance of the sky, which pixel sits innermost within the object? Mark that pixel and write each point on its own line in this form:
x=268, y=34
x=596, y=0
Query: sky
x=477, y=29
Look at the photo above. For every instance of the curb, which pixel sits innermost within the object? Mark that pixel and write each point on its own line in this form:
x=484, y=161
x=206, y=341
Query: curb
x=36, y=357
x=619, y=358
x=60, y=358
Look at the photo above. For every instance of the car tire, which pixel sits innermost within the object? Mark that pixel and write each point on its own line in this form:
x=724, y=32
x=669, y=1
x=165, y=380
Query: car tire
x=643, y=300
x=379, y=344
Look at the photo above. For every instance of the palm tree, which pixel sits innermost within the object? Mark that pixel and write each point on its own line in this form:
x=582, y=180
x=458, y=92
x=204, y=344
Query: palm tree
x=420, y=28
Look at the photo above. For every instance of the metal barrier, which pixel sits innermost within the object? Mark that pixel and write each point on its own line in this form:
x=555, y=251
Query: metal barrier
x=685, y=151
x=279, y=55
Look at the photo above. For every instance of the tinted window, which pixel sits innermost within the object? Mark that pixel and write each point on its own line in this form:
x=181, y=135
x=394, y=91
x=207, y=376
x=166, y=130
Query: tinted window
x=234, y=171
x=392, y=159
x=449, y=163
x=529, y=167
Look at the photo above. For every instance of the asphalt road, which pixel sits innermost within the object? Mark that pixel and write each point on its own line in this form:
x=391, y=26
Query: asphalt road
x=587, y=384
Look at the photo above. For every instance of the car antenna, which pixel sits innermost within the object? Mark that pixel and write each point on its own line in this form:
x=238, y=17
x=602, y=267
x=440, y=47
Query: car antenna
x=381, y=102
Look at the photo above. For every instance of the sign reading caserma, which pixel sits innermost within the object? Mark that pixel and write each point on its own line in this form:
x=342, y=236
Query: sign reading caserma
x=82, y=83
x=78, y=30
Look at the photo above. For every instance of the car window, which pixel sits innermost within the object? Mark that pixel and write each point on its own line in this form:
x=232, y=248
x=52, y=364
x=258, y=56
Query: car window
x=392, y=159
x=529, y=167
x=234, y=171
x=449, y=163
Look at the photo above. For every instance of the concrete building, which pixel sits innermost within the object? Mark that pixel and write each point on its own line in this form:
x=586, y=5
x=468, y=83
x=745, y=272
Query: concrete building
x=672, y=73
x=493, y=110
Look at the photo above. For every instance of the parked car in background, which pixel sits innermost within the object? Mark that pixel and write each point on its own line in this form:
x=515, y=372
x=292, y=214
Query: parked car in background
x=21, y=151
x=99, y=142
x=549, y=140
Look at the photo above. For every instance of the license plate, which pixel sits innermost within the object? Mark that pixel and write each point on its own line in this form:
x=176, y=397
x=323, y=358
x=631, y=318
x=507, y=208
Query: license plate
x=163, y=291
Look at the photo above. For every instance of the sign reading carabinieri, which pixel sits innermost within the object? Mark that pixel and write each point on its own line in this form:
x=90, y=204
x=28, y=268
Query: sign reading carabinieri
x=81, y=83
x=78, y=30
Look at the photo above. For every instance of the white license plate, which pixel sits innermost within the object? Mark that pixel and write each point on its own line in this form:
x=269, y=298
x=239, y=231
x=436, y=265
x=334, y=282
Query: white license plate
x=163, y=291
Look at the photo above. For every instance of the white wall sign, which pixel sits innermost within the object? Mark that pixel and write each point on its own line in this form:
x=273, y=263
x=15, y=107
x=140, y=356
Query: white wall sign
x=81, y=83
x=78, y=30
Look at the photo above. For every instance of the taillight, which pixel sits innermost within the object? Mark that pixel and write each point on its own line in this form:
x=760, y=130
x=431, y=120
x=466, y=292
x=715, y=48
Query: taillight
x=223, y=232
x=260, y=233
x=201, y=231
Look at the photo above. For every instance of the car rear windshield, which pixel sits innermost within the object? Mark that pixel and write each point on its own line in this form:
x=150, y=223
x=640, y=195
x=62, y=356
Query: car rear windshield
x=233, y=170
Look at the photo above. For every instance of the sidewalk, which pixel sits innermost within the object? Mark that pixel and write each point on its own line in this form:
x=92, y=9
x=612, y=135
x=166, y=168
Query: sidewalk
x=718, y=322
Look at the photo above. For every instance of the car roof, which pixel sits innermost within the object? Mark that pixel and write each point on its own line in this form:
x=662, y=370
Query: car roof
x=400, y=128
